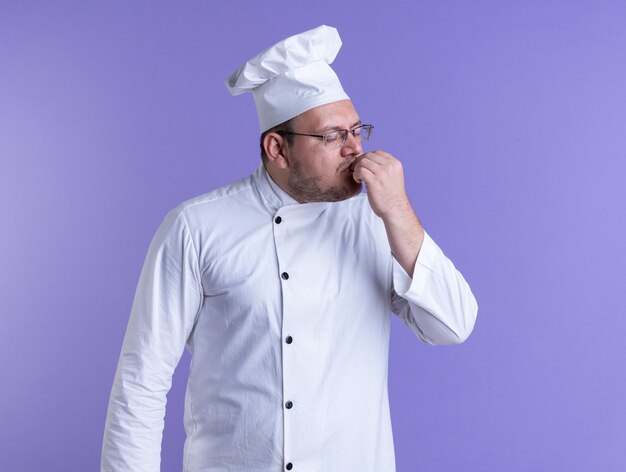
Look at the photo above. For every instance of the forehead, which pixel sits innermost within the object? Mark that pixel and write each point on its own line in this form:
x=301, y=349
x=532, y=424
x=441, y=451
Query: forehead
x=339, y=114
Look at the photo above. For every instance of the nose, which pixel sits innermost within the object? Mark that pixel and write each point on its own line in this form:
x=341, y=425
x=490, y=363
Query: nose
x=352, y=146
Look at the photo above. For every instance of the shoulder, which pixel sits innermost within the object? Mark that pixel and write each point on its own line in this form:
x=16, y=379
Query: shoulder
x=238, y=206
x=227, y=199
x=220, y=196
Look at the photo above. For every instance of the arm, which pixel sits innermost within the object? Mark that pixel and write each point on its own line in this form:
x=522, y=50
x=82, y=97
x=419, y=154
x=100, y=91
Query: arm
x=434, y=300
x=166, y=303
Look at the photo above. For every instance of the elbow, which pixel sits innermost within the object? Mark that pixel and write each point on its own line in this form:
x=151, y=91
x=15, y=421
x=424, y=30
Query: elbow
x=444, y=325
x=467, y=322
x=459, y=331
x=461, y=335
x=452, y=337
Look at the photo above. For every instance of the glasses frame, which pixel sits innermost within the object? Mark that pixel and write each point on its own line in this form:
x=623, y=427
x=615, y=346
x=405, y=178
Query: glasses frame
x=324, y=137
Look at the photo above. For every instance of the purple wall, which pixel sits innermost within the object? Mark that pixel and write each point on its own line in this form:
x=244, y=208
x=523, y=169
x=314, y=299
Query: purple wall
x=510, y=118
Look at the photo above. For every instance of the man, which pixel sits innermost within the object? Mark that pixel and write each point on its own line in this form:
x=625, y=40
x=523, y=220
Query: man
x=281, y=286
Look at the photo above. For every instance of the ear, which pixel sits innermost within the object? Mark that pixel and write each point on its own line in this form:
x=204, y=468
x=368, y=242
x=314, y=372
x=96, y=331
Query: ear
x=275, y=148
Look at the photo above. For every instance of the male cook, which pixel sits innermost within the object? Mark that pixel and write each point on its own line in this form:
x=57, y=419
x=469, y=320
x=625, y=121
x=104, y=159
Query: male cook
x=281, y=287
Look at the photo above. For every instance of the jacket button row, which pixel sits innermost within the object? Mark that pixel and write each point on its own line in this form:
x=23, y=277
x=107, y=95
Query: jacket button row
x=284, y=275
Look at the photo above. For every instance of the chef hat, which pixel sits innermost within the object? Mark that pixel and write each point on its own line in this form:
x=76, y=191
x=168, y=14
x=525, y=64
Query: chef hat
x=292, y=76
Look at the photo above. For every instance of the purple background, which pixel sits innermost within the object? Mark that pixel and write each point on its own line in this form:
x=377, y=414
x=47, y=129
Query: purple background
x=510, y=118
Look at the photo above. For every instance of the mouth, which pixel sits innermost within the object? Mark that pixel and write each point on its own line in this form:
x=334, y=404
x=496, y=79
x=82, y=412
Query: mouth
x=350, y=167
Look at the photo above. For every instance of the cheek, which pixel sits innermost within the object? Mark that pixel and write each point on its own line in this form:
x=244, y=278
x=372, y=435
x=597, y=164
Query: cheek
x=329, y=163
x=320, y=167
x=319, y=162
x=313, y=168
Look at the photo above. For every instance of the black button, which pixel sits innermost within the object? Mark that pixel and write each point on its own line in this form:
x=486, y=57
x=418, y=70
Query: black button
x=289, y=466
x=288, y=405
x=288, y=339
x=284, y=275
x=278, y=220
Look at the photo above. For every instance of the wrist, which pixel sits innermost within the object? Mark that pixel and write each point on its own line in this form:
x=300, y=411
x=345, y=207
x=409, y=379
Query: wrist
x=398, y=211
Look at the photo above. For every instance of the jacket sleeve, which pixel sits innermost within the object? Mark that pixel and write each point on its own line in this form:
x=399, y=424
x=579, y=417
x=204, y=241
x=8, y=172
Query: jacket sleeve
x=436, y=303
x=167, y=301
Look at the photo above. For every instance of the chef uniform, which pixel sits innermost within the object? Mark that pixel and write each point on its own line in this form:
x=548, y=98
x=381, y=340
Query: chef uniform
x=285, y=308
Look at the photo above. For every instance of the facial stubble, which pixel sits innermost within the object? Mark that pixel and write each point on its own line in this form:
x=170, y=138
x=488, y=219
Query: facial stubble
x=309, y=188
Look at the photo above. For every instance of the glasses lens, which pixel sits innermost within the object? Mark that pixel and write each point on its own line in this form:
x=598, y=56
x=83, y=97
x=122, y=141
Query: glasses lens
x=362, y=132
x=335, y=137
x=365, y=132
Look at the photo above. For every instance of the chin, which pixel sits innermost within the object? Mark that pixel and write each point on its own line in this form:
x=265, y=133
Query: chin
x=311, y=189
x=345, y=191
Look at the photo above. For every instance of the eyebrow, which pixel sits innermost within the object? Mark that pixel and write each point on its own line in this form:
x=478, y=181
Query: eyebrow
x=334, y=128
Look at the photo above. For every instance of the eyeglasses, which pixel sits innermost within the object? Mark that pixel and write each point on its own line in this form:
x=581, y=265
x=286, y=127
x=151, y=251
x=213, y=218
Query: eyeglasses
x=337, y=137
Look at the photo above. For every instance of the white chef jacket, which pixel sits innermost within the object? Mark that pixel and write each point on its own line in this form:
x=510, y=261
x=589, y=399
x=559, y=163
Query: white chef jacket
x=285, y=308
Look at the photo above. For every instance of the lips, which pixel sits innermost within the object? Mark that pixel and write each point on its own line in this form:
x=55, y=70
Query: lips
x=349, y=167
x=352, y=165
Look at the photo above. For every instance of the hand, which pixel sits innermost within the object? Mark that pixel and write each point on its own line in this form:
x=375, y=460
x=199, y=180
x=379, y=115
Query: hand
x=384, y=180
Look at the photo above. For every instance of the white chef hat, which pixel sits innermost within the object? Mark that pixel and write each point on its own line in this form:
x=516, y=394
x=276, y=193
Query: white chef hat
x=292, y=76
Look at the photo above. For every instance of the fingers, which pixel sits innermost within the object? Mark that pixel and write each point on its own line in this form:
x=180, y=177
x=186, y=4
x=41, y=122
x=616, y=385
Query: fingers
x=384, y=181
x=376, y=162
x=379, y=154
x=368, y=168
x=362, y=174
x=380, y=157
